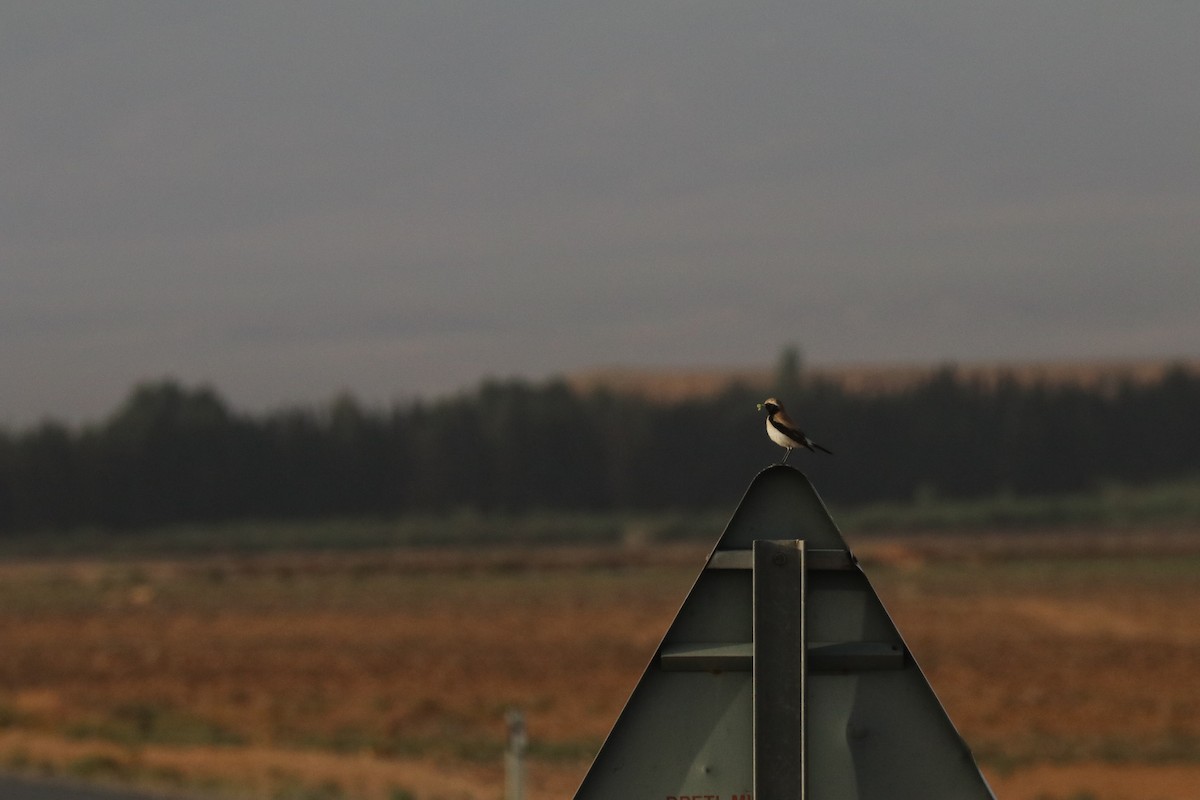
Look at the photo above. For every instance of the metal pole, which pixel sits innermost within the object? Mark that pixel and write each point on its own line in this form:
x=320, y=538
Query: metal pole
x=780, y=664
x=514, y=756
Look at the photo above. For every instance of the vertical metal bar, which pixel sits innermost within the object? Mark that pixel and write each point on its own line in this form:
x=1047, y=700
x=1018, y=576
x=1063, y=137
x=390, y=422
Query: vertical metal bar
x=780, y=668
x=514, y=756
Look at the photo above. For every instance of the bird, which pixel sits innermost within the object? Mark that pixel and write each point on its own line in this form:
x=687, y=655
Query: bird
x=784, y=432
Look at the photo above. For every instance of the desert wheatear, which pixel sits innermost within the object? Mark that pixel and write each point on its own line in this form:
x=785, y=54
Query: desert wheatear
x=784, y=432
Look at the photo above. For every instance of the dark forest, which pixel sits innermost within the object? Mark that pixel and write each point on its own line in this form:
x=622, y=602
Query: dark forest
x=175, y=454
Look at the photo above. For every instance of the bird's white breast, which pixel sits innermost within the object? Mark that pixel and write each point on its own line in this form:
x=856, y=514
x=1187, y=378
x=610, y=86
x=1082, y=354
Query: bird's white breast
x=779, y=438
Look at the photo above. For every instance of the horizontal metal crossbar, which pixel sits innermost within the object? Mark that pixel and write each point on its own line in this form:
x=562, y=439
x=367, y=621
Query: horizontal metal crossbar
x=737, y=657
x=813, y=559
x=822, y=657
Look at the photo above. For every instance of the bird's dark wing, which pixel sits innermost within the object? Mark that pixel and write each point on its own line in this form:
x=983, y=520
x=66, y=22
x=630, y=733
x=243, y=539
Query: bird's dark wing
x=798, y=435
x=788, y=431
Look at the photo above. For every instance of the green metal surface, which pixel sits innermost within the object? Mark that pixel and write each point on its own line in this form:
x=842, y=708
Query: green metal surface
x=780, y=667
x=874, y=730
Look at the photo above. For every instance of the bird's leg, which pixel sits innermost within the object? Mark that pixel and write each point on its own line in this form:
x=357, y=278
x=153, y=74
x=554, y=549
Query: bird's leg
x=786, y=454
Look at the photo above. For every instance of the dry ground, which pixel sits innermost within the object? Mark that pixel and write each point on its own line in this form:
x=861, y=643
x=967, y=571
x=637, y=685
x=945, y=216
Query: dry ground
x=1074, y=674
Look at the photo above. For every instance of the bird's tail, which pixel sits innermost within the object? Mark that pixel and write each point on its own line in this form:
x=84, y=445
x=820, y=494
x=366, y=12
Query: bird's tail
x=822, y=449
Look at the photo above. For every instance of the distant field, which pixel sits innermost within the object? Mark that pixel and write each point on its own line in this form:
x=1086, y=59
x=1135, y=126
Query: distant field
x=1068, y=663
x=671, y=384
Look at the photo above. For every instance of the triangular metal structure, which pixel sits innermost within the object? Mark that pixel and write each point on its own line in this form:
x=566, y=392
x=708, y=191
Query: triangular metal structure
x=782, y=677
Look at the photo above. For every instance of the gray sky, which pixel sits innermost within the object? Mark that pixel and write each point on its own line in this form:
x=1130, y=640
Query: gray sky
x=290, y=199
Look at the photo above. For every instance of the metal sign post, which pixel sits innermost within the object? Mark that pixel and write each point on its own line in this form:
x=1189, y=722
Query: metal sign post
x=783, y=678
x=780, y=664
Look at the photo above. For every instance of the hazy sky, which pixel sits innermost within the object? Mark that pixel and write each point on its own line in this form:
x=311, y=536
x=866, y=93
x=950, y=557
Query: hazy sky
x=290, y=199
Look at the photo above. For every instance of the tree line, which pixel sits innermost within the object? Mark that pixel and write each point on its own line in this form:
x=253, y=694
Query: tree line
x=173, y=454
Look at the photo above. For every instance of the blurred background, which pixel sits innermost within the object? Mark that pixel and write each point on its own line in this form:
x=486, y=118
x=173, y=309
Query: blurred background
x=288, y=200
x=325, y=327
